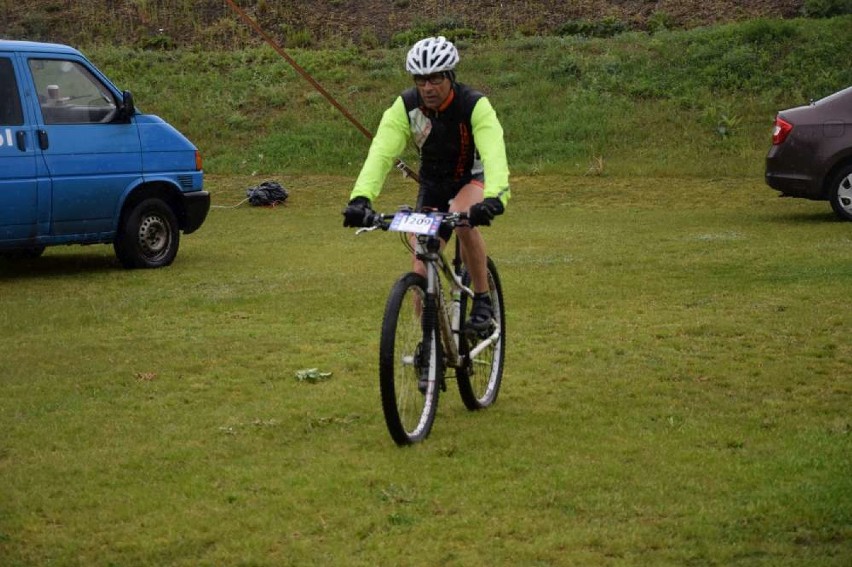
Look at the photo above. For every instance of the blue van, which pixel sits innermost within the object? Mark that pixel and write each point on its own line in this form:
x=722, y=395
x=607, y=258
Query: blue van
x=79, y=164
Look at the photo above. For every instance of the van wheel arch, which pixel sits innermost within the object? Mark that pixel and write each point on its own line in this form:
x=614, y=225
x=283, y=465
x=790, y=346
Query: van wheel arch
x=163, y=191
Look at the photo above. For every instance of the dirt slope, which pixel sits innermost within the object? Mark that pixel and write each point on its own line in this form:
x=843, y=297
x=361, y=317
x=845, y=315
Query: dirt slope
x=210, y=23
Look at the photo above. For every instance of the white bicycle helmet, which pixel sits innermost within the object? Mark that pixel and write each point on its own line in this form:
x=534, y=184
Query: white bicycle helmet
x=431, y=55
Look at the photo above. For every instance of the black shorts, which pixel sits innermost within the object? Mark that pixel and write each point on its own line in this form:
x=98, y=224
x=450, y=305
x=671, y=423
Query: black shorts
x=437, y=197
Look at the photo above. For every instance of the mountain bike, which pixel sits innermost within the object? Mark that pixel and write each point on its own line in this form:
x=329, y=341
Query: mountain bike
x=423, y=330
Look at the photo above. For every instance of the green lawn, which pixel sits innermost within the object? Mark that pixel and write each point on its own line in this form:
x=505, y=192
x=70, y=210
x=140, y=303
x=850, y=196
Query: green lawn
x=677, y=390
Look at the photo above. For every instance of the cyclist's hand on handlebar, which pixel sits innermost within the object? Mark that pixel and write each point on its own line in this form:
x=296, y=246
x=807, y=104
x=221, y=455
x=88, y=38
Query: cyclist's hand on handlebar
x=358, y=213
x=481, y=214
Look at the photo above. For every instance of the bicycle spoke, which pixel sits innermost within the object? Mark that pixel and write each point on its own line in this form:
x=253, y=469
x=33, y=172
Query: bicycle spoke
x=479, y=382
x=409, y=412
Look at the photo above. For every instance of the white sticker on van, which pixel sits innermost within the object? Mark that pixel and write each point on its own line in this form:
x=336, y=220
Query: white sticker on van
x=8, y=137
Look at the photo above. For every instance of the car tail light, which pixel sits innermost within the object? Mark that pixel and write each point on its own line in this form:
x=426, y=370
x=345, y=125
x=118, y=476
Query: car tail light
x=781, y=131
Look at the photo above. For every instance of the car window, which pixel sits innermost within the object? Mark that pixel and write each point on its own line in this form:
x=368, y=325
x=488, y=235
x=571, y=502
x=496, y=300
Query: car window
x=10, y=100
x=69, y=93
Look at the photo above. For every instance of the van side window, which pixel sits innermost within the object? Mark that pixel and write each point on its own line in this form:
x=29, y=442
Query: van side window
x=10, y=100
x=68, y=93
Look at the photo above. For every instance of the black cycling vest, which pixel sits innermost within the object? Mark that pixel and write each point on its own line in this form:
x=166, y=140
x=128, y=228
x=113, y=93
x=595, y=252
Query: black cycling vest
x=445, y=138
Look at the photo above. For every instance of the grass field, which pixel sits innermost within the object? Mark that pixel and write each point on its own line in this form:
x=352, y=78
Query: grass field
x=676, y=392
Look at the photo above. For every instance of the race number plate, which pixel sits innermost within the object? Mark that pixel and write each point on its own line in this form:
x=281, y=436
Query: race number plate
x=417, y=223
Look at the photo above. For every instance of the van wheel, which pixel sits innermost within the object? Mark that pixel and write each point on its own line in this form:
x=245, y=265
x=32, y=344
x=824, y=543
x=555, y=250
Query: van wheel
x=149, y=237
x=840, y=193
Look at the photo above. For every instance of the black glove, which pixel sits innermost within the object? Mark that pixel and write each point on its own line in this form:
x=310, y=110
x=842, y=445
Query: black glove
x=481, y=214
x=358, y=212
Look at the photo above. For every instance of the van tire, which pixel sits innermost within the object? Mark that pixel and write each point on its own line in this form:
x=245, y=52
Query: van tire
x=149, y=237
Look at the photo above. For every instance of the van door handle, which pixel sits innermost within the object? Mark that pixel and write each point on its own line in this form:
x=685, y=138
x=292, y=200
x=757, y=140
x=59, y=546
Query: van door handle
x=42, y=140
x=21, y=139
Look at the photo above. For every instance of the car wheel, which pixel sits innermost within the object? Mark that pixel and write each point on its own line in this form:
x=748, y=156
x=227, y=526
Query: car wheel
x=840, y=193
x=149, y=237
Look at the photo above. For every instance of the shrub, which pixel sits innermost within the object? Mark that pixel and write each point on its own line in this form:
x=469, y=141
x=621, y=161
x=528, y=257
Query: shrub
x=568, y=69
x=369, y=39
x=37, y=26
x=606, y=27
x=158, y=42
x=660, y=21
x=298, y=37
x=452, y=28
x=722, y=120
x=826, y=8
x=768, y=33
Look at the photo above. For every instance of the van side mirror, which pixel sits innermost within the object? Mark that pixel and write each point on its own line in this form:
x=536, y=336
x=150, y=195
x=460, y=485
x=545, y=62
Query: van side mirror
x=127, y=108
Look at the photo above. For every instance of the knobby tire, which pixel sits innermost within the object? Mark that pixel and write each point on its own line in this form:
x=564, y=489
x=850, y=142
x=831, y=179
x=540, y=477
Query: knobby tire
x=409, y=346
x=479, y=380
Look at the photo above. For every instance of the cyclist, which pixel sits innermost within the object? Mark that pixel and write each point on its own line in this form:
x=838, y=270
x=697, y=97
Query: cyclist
x=463, y=166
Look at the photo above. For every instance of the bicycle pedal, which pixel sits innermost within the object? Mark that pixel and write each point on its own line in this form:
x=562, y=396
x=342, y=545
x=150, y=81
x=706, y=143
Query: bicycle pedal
x=480, y=334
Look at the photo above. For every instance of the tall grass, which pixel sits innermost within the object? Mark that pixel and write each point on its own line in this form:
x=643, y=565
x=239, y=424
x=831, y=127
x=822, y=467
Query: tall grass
x=676, y=390
x=698, y=102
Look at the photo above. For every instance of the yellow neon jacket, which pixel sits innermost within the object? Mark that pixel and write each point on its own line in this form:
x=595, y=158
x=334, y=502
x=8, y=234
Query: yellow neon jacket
x=462, y=139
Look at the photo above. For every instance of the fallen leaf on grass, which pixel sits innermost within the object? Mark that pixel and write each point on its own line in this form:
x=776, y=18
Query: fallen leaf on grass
x=146, y=376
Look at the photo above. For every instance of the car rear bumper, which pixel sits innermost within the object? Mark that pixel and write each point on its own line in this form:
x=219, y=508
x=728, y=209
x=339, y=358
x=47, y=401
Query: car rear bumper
x=792, y=184
x=196, y=205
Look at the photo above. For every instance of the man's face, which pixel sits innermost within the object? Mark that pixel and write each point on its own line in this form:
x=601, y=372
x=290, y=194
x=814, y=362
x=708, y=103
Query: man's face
x=434, y=89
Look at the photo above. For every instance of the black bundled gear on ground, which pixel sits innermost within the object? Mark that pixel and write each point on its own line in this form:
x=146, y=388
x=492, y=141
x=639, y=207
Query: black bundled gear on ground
x=267, y=194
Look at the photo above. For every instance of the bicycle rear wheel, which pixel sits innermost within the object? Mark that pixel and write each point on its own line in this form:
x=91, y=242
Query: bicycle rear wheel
x=410, y=362
x=480, y=378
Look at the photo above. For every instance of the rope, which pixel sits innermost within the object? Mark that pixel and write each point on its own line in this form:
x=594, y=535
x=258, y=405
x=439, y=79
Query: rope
x=406, y=171
x=229, y=206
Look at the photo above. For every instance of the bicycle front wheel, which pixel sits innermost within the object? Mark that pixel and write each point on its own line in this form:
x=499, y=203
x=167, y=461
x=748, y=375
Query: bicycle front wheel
x=410, y=361
x=480, y=377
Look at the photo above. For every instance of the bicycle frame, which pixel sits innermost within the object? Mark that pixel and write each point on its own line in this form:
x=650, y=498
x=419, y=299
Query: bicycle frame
x=428, y=250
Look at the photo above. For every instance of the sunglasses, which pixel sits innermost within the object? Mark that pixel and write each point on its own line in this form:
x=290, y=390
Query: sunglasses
x=436, y=79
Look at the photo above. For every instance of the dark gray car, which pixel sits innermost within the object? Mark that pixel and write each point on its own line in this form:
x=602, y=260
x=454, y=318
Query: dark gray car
x=811, y=154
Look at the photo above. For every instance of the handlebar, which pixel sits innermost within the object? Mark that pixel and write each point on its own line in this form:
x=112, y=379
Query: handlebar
x=376, y=221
